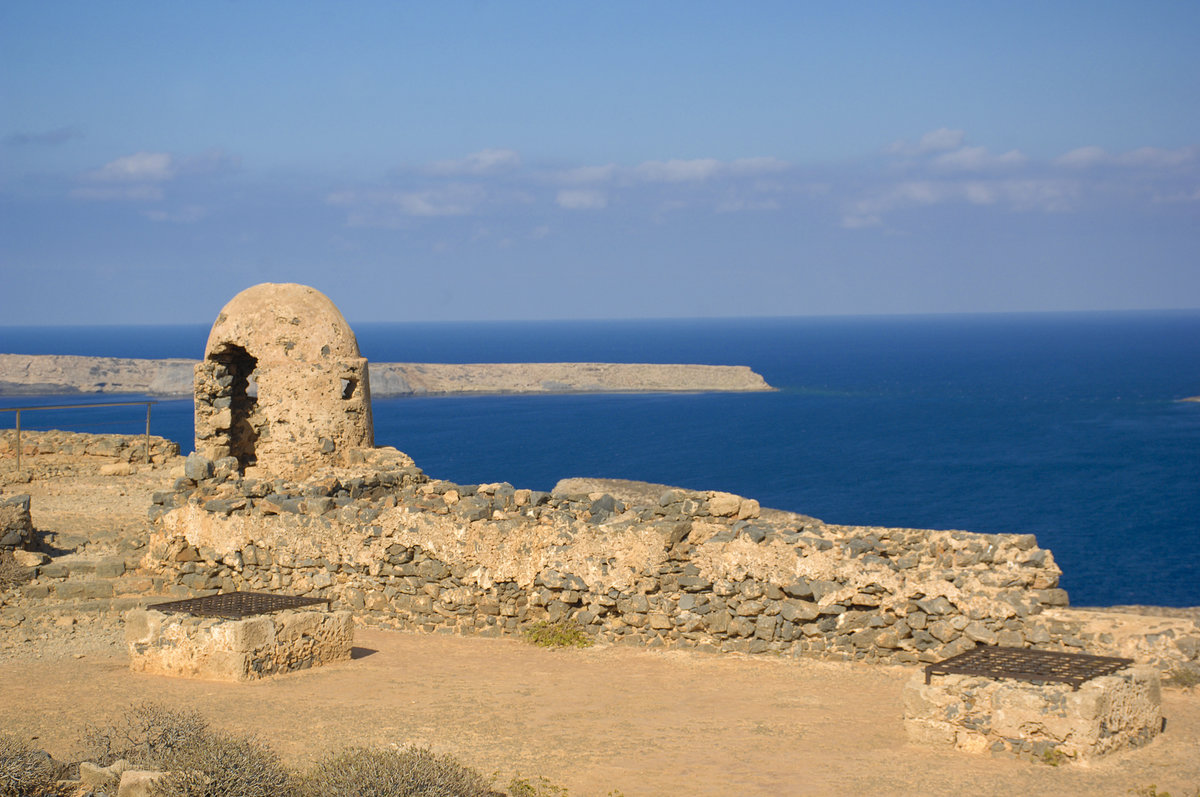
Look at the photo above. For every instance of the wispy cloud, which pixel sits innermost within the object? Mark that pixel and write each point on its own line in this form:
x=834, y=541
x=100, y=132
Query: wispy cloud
x=941, y=140
x=977, y=159
x=486, y=161
x=675, y=171
x=43, y=138
x=138, y=167
x=189, y=214
x=145, y=193
x=1149, y=157
x=384, y=208
x=143, y=176
x=581, y=199
x=1049, y=195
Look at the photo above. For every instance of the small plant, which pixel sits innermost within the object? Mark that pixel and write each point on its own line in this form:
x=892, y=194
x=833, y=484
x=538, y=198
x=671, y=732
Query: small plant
x=24, y=771
x=558, y=634
x=408, y=772
x=1185, y=677
x=1055, y=757
x=146, y=735
x=221, y=765
x=1149, y=791
x=538, y=787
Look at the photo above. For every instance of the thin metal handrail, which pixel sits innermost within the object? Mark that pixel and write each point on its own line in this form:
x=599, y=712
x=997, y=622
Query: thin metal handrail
x=19, y=410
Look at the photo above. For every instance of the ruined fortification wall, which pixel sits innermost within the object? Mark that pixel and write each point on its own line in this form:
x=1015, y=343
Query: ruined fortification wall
x=697, y=569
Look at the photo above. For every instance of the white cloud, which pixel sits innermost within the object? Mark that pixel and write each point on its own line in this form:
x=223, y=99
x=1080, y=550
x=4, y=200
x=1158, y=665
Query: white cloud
x=139, y=167
x=483, y=162
x=212, y=161
x=1155, y=156
x=382, y=208
x=976, y=159
x=1083, y=157
x=581, y=199
x=150, y=193
x=940, y=140
x=740, y=204
x=587, y=174
x=677, y=171
x=753, y=166
x=1149, y=157
x=189, y=214
x=680, y=171
x=1013, y=194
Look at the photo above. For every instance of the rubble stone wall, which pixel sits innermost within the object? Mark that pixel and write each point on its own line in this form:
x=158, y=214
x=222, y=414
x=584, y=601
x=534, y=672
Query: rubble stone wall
x=16, y=526
x=697, y=569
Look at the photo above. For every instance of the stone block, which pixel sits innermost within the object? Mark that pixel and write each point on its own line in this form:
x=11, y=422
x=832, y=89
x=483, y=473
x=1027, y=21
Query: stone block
x=977, y=714
x=236, y=650
x=139, y=783
x=16, y=527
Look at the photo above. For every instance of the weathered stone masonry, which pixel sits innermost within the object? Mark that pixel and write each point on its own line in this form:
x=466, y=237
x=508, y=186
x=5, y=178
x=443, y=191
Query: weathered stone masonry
x=694, y=569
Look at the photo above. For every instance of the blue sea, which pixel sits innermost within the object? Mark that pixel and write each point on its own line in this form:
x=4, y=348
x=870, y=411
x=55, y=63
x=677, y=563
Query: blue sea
x=1067, y=426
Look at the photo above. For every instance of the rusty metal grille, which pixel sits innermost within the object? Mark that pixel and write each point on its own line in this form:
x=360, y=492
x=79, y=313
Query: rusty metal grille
x=233, y=605
x=1027, y=664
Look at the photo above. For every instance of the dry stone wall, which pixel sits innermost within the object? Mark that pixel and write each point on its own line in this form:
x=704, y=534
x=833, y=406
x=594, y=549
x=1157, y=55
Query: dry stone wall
x=708, y=570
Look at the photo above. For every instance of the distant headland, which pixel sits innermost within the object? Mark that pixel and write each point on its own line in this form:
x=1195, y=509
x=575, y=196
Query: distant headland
x=22, y=374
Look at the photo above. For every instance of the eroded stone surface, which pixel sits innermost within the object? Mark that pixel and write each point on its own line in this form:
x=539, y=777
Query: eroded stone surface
x=1051, y=722
x=282, y=388
x=16, y=527
x=235, y=650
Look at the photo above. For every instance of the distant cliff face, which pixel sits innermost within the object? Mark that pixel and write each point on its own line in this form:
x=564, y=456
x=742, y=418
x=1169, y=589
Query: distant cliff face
x=22, y=374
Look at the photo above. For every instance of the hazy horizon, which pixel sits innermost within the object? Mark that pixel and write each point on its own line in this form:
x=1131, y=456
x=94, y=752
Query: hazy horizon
x=529, y=161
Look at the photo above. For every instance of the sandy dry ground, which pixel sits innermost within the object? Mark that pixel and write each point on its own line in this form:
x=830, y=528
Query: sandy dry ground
x=594, y=720
x=647, y=723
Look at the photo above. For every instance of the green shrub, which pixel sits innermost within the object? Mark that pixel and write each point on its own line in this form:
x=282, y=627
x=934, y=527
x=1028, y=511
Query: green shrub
x=222, y=765
x=147, y=735
x=24, y=771
x=410, y=772
x=557, y=634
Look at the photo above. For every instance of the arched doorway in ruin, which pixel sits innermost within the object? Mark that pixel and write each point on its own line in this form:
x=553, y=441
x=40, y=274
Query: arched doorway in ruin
x=235, y=371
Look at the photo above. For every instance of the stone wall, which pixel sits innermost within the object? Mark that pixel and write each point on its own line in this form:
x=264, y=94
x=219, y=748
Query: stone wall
x=16, y=527
x=120, y=447
x=689, y=569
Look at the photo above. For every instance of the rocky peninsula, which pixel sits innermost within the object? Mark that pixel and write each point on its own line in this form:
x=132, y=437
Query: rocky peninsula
x=22, y=374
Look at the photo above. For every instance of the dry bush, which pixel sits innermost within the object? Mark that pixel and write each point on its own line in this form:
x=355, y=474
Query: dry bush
x=147, y=735
x=12, y=574
x=410, y=772
x=24, y=771
x=221, y=765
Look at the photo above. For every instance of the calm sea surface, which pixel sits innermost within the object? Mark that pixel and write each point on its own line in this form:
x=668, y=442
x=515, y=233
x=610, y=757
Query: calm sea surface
x=1066, y=426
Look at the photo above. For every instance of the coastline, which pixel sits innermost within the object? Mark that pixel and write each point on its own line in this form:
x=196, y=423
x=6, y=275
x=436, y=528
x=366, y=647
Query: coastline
x=66, y=375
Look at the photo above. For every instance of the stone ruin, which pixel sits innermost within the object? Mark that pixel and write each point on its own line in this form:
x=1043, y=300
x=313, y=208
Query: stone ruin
x=282, y=389
x=286, y=493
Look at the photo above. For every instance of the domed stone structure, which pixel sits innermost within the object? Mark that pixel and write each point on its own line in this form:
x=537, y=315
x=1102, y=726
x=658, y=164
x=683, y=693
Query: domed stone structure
x=282, y=387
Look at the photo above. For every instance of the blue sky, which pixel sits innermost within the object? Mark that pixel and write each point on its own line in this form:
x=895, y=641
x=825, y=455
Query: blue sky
x=521, y=160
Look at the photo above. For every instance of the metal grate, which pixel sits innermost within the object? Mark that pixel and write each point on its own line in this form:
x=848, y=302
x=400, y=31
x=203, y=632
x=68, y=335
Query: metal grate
x=232, y=605
x=1027, y=664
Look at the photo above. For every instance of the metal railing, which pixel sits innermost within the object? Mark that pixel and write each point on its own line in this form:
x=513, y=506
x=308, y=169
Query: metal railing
x=19, y=410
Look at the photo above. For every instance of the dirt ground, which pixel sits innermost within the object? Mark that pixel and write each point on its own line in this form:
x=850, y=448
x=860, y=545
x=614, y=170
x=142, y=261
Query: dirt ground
x=594, y=720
